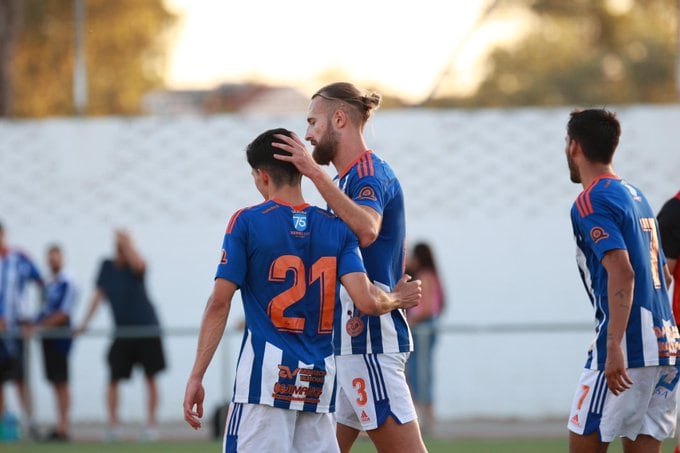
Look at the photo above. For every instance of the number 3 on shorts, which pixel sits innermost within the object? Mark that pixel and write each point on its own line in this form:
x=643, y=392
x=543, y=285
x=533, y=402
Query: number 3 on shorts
x=360, y=386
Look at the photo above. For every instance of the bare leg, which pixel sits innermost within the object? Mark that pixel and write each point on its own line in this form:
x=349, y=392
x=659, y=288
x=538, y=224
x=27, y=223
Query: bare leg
x=643, y=444
x=25, y=400
x=391, y=436
x=112, y=404
x=63, y=396
x=346, y=437
x=586, y=444
x=152, y=400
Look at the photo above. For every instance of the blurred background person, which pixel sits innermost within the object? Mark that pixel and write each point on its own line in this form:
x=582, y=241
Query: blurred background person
x=16, y=271
x=54, y=319
x=423, y=319
x=121, y=281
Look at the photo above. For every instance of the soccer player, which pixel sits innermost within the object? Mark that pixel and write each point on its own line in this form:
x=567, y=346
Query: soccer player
x=629, y=385
x=371, y=351
x=16, y=271
x=55, y=318
x=288, y=259
x=669, y=229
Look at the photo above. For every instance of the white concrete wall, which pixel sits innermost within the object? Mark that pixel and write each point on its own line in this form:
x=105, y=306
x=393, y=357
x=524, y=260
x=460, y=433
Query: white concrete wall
x=489, y=189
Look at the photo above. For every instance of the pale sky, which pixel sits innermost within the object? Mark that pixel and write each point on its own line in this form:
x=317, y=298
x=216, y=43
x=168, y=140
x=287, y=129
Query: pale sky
x=400, y=46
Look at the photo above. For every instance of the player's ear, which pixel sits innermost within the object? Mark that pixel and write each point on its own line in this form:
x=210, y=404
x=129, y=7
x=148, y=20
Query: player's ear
x=339, y=118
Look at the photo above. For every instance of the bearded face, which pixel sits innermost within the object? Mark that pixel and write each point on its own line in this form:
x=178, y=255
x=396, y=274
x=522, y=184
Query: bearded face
x=326, y=147
x=574, y=173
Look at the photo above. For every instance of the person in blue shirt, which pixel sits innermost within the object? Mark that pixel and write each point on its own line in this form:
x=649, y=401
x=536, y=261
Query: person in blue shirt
x=288, y=259
x=371, y=351
x=629, y=385
x=54, y=319
x=17, y=270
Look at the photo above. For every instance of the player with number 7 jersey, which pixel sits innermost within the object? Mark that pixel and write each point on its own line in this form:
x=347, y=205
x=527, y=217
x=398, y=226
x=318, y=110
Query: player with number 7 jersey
x=628, y=387
x=612, y=214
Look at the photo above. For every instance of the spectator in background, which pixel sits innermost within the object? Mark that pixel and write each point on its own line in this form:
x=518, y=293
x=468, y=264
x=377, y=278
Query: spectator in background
x=423, y=319
x=55, y=319
x=16, y=270
x=669, y=230
x=121, y=282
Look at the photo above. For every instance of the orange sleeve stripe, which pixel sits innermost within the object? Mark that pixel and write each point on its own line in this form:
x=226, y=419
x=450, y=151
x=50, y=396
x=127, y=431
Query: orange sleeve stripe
x=230, y=227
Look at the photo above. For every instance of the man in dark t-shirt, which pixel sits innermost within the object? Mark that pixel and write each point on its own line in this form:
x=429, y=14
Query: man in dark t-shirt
x=137, y=340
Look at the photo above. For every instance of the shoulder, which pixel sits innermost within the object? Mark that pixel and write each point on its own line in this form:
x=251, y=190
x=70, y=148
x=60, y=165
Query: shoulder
x=601, y=196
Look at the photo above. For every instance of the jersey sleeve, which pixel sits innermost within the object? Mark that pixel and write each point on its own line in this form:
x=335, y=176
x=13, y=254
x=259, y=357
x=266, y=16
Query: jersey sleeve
x=599, y=227
x=669, y=229
x=368, y=191
x=233, y=260
x=350, y=257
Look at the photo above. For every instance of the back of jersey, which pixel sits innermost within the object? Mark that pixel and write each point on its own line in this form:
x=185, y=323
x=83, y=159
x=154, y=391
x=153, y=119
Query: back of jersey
x=287, y=262
x=614, y=215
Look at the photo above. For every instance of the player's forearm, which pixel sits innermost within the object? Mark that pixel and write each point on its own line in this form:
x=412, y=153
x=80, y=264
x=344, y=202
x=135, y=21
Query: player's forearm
x=620, y=295
x=357, y=219
x=212, y=329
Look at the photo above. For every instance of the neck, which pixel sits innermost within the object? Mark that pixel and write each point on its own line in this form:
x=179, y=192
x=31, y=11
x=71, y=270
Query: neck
x=288, y=194
x=350, y=148
x=591, y=172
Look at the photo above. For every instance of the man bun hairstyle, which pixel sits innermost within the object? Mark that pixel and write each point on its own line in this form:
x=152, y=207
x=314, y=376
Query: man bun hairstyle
x=361, y=104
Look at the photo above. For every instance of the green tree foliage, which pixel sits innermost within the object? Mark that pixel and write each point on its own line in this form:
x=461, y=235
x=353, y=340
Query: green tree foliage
x=585, y=52
x=125, y=54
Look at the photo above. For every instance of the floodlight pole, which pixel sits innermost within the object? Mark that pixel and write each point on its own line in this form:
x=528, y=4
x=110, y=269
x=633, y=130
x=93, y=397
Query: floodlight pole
x=79, y=65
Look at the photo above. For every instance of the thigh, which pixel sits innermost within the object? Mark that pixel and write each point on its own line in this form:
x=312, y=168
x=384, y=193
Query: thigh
x=374, y=387
x=151, y=355
x=256, y=428
x=315, y=433
x=121, y=358
x=56, y=362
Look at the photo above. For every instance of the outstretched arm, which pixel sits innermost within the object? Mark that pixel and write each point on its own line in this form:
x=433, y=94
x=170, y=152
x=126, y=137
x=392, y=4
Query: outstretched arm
x=365, y=222
x=374, y=301
x=95, y=302
x=212, y=329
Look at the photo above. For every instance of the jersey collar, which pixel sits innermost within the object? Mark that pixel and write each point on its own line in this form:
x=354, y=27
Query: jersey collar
x=601, y=177
x=353, y=163
x=298, y=208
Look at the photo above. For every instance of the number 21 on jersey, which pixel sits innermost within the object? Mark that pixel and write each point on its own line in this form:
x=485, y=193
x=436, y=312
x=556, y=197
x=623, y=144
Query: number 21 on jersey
x=324, y=270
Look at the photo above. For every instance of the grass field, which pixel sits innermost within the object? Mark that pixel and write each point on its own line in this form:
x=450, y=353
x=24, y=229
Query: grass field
x=434, y=446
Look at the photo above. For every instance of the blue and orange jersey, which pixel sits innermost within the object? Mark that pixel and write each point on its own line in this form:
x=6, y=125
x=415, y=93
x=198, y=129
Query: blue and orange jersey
x=369, y=181
x=16, y=270
x=288, y=261
x=612, y=214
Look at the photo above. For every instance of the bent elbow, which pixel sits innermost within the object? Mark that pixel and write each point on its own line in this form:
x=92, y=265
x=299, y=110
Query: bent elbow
x=367, y=237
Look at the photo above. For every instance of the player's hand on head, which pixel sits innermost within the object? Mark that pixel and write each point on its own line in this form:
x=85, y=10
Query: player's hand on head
x=299, y=157
x=408, y=291
x=193, y=403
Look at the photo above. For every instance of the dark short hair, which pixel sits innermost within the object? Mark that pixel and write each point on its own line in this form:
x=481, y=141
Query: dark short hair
x=53, y=247
x=260, y=155
x=597, y=131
